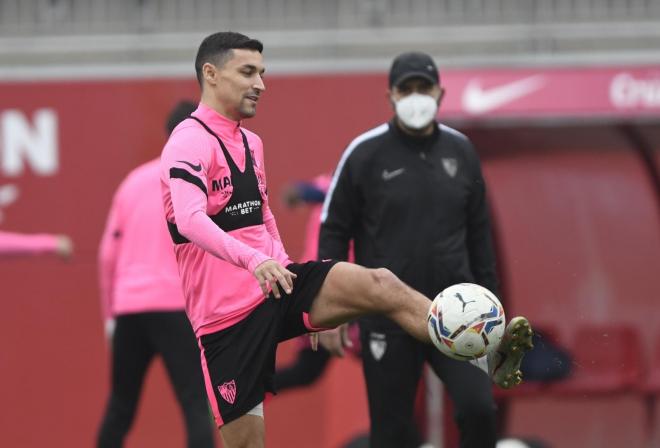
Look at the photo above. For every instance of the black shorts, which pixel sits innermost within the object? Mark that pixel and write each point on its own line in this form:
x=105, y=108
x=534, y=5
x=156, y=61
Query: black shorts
x=239, y=361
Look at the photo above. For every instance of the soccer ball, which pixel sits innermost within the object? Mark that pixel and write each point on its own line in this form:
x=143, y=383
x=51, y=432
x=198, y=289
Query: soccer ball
x=466, y=321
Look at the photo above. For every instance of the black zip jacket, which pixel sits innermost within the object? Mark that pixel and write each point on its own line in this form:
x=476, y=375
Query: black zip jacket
x=414, y=205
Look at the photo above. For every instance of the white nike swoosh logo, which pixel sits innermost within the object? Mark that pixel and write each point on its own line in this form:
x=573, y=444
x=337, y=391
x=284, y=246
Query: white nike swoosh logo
x=477, y=100
x=388, y=175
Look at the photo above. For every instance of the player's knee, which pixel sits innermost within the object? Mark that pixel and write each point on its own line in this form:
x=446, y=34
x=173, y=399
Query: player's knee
x=382, y=277
x=246, y=440
x=382, y=282
x=245, y=432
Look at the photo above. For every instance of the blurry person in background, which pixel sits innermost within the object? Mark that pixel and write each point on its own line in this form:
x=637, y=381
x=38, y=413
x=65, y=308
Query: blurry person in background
x=20, y=244
x=143, y=306
x=310, y=363
x=312, y=194
x=411, y=196
x=13, y=244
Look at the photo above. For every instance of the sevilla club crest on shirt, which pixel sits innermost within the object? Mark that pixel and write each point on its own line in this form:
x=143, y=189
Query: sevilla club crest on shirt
x=450, y=165
x=228, y=391
x=377, y=345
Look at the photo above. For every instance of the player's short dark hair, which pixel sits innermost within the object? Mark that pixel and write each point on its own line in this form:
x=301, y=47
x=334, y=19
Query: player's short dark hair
x=179, y=113
x=217, y=48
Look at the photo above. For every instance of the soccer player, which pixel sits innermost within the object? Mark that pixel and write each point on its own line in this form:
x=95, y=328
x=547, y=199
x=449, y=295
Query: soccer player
x=143, y=306
x=311, y=362
x=18, y=244
x=243, y=294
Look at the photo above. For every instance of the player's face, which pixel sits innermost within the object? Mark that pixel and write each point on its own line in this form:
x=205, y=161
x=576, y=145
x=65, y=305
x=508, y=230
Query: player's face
x=239, y=83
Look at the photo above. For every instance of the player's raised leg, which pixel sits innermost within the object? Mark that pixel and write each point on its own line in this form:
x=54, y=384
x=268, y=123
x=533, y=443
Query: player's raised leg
x=350, y=291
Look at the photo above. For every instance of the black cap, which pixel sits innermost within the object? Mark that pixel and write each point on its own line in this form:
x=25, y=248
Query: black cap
x=413, y=65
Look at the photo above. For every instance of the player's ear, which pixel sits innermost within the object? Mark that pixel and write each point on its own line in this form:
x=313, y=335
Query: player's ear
x=210, y=73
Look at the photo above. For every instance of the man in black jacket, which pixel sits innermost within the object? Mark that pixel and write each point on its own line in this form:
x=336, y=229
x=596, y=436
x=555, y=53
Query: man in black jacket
x=411, y=196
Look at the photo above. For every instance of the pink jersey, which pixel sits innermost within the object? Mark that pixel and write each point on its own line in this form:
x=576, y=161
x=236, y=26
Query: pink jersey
x=137, y=267
x=23, y=244
x=217, y=209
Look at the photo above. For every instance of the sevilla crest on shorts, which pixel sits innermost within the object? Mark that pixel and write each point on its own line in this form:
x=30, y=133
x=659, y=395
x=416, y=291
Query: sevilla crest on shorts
x=228, y=391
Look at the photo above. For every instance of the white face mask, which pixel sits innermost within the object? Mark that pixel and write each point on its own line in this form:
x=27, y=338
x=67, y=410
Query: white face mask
x=416, y=110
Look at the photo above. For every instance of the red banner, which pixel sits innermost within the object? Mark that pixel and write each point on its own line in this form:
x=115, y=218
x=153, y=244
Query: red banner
x=592, y=92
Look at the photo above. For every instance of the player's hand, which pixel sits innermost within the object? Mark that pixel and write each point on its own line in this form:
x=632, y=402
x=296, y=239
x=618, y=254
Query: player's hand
x=270, y=273
x=64, y=246
x=335, y=340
